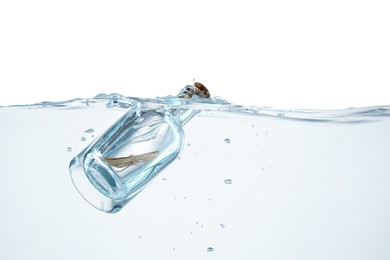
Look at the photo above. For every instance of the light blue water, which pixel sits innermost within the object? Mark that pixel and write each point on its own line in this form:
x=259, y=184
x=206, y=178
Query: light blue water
x=249, y=183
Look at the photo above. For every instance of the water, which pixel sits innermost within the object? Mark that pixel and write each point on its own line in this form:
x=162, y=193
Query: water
x=304, y=184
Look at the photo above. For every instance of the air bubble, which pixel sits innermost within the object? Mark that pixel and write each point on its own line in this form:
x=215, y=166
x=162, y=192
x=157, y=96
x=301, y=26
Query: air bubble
x=69, y=149
x=210, y=249
x=90, y=130
x=83, y=139
x=228, y=181
x=222, y=225
x=227, y=140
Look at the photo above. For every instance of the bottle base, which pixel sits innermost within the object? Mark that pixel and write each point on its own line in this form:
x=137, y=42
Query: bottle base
x=89, y=192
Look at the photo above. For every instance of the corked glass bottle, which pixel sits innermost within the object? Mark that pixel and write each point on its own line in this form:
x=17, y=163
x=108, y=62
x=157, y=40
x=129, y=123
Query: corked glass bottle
x=123, y=160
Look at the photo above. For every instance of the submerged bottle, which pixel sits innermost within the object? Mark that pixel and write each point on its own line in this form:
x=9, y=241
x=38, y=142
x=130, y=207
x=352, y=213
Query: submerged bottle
x=121, y=162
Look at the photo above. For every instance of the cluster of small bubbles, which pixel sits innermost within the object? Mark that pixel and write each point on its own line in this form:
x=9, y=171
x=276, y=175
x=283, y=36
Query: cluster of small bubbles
x=90, y=130
x=228, y=181
x=227, y=140
x=210, y=249
x=69, y=149
x=83, y=139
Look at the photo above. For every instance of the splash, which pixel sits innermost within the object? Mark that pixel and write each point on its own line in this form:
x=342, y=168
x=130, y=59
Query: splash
x=214, y=106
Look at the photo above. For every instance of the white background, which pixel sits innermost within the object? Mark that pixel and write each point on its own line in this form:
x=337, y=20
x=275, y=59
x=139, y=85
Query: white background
x=286, y=54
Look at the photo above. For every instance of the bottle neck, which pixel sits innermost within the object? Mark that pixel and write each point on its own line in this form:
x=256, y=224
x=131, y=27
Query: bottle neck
x=185, y=115
x=197, y=89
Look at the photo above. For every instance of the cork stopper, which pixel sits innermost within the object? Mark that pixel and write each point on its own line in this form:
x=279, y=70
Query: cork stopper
x=198, y=89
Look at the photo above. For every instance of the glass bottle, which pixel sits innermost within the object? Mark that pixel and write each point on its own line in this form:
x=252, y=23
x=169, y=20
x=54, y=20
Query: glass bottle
x=123, y=160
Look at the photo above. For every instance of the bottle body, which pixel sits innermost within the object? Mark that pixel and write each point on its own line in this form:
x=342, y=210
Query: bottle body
x=124, y=159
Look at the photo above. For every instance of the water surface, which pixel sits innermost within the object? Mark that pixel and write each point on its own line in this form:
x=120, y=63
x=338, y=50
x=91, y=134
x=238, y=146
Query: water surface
x=250, y=183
